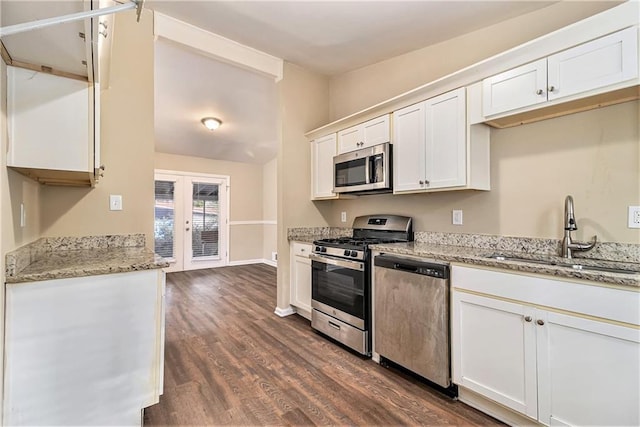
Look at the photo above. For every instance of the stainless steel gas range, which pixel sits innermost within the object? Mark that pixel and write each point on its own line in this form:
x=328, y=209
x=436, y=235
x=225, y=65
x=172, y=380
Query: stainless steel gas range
x=341, y=279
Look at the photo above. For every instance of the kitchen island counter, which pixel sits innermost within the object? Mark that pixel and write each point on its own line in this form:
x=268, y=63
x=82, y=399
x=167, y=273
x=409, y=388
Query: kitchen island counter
x=67, y=257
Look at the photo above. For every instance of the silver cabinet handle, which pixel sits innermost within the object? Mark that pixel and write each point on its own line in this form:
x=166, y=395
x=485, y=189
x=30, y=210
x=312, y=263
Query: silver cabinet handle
x=540, y=322
x=528, y=319
x=539, y=92
x=552, y=88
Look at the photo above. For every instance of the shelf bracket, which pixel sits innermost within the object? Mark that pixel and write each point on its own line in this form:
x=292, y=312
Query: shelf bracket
x=41, y=23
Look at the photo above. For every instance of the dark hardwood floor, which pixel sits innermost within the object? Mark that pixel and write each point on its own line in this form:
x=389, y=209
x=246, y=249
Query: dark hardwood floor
x=229, y=360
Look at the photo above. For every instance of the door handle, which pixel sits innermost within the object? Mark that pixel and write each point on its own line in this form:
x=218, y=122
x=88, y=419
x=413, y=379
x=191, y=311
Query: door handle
x=187, y=229
x=333, y=325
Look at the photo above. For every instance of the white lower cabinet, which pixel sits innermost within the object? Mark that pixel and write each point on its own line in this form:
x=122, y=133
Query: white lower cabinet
x=495, y=351
x=556, y=367
x=85, y=350
x=301, y=278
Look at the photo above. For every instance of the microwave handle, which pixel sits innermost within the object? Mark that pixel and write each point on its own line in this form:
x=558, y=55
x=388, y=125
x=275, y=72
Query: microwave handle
x=368, y=169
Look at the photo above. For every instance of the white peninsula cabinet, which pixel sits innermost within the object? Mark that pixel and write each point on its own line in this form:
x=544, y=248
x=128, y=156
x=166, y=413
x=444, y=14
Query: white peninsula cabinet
x=300, y=279
x=323, y=150
x=602, y=63
x=84, y=350
x=367, y=134
x=559, y=352
x=434, y=147
x=53, y=127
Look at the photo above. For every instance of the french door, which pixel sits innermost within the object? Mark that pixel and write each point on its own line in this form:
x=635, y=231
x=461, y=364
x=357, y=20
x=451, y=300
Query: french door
x=191, y=227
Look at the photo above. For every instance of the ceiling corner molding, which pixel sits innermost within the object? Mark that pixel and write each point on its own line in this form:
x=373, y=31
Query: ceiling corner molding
x=216, y=46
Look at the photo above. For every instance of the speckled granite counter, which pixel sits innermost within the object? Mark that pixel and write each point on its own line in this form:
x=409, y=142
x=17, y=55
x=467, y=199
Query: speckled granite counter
x=309, y=234
x=479, y=256
x=64, y=257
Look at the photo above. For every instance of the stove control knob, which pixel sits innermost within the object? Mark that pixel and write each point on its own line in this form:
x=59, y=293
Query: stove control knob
x=318, y=249
x=354, y=254
x=323, y=249
x=347, y=252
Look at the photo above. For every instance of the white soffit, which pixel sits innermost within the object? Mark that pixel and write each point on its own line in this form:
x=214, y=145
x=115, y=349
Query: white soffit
x=216, y=46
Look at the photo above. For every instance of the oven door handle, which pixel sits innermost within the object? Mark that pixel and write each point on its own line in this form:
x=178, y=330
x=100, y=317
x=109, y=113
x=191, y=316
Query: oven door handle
x=352, y=265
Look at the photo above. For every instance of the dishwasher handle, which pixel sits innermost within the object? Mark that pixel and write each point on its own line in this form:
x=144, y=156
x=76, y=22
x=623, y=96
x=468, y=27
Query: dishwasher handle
x=412, y=266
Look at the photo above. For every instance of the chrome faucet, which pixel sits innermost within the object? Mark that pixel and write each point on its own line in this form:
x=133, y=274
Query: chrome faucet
x=570, y=225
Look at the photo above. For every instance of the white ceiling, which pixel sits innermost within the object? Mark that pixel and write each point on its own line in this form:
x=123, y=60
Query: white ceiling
x=189, y=87
x=329, y=37
x=332, y=37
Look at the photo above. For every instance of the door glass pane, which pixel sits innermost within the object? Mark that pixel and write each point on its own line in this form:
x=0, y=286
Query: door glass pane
x=164, y=218
x=204, y=219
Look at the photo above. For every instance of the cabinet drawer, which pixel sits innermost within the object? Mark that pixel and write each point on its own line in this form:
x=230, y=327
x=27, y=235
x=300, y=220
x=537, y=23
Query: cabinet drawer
x=589, y=299
x=301, y=249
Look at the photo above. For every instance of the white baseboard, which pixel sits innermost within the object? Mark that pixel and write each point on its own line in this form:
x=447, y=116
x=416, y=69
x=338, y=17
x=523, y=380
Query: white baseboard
x=253, y=261
x=284, y=312
x=269, y=262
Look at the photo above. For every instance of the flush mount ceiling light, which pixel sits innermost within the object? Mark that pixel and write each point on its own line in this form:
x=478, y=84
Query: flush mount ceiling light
x=211, y=123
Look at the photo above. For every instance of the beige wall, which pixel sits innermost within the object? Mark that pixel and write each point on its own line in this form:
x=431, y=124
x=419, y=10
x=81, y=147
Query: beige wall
x=304, y=105
x=362, y=88
x=127, y=136
x=248, y=184
x=593, y=156
x=270, y=208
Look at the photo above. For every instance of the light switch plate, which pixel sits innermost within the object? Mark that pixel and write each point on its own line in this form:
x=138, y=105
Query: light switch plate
x=115, y=202
x=343, y=216
x=634, y=216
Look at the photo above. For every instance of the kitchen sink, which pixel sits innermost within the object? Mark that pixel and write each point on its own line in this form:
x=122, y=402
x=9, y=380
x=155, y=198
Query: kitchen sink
x=565, y=264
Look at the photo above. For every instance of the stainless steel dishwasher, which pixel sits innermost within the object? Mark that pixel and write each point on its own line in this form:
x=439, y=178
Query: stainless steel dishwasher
x=411, y=316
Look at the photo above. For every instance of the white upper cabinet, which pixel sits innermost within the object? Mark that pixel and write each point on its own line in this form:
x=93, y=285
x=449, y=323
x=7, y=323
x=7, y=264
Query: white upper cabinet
x=602, y=62
x=51, y=127
x=322, y=152
x=409, y=145
x=445, y=140
x=517, y=88
x=433, y=147
x=584, y=70
x=367, y=134
x=53, y=91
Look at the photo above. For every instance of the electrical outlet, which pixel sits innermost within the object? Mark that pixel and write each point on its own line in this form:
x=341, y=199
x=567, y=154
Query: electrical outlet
x=634, y=216
x=343, y=216
x=274, y=256
x=456, y=217
x=115, y=202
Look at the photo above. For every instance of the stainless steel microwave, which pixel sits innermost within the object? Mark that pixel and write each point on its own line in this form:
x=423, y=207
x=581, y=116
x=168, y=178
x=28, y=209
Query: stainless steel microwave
x=367, y=170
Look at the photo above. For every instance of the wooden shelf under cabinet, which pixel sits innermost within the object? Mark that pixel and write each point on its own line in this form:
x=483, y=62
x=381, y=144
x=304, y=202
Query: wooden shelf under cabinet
x=557, y=110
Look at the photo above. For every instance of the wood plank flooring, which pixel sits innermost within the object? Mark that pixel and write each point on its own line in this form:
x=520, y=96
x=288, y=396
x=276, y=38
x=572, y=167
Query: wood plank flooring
x=229, y=360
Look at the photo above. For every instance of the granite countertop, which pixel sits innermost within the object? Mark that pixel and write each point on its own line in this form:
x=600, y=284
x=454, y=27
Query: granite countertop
x=58, y=258
x=479, y=256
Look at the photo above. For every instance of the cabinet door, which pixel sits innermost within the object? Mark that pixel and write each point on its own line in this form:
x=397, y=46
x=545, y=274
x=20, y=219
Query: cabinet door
x=350, y=139
x=589, y=371
x=445, y=150
x=408, y=148
x=73, y=342
x=517, y=88
x=322, y=152
x=48, y=120
x=376, y=131
x=602, y=62
x=493, y=347
x=301, y=278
